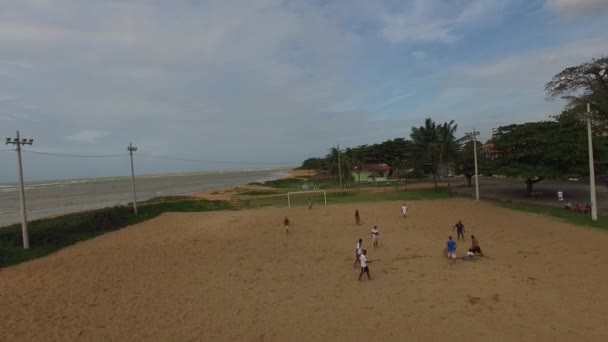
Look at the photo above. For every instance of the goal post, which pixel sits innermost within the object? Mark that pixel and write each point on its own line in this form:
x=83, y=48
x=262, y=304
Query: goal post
x=305, y=192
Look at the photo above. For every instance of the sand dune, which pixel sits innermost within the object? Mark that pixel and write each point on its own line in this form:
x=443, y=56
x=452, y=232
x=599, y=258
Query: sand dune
x=235, y=276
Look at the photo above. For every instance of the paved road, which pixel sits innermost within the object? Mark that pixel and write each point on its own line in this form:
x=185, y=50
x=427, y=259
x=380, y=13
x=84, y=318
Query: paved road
x=574, y=191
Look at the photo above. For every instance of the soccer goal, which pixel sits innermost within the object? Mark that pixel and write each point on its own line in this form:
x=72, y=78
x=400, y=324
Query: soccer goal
x=305, y=192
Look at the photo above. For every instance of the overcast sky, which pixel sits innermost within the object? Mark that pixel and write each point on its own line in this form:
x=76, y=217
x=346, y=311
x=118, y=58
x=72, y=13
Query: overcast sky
x=272, y=81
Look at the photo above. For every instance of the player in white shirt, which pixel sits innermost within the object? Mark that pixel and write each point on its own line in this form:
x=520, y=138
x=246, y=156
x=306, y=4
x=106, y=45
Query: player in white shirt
x=375, y=232
x=358, y=251
x=364, y=268
x=404, y=210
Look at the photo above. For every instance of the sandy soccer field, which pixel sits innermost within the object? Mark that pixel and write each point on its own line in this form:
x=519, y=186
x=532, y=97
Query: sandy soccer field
x=236, y=276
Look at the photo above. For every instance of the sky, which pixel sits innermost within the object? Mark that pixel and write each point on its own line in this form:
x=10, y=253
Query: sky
x=270, y=82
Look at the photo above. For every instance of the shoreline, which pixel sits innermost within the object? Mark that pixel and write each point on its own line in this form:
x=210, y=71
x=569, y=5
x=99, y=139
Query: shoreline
x=227, y=194
x=42, y=204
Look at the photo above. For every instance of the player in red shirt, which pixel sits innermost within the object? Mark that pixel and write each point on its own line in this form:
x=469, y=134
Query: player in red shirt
x=286, y=225
x=357, y=217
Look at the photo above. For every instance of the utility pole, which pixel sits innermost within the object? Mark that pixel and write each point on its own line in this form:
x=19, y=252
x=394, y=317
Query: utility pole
x=17, y=141
x=591, y=166
x=473, y=135
x=339, y=167
x=131, y=149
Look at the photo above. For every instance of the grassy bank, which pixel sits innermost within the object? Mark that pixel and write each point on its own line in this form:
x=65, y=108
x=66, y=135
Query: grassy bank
x=560, y=213
x=350, y=196
x=49, y=235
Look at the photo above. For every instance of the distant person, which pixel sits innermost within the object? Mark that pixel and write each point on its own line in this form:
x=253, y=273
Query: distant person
x=459, y=227
x=286, y=225
x=560, y=196
x=357, y=217
x=475, y=246
x=451, y=244
x=358, y=251
x=375, y=232
x=310, y=203
x=364, y=268
x=404, y=210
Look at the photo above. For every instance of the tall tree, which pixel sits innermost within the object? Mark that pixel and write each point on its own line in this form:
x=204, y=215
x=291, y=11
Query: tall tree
x=359, y=160
x=342, y=167
x=448, y=146
x=547, y=149
x=583, y=83
x=427, y=146
x=465, y=161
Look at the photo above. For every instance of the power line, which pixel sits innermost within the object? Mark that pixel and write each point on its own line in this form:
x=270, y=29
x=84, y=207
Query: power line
x=212, y=161
x=9, y=149
x=76, y=155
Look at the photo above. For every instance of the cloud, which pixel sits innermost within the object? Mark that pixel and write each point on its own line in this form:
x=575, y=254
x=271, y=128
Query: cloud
x=433, y=20
x=577, y=7
x=88, y=136
x=267, y=80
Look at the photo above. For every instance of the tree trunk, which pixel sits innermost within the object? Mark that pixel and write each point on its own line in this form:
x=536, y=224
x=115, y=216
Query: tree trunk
x=435, y=179
x=530, y=182
x=449, y=182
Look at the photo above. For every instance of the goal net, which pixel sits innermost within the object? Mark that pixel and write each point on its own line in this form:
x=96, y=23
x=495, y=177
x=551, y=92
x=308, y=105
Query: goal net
x=301, y=198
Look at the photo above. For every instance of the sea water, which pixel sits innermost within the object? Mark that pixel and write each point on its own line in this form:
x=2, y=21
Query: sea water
x=49, y=198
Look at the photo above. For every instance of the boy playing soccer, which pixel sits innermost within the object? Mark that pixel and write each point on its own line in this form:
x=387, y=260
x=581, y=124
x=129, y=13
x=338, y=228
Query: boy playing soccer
x=286, y=225
x=451, y=248
x=459, y=229
x=358, y=251
x=364, y=268
x=404, y=210
x=375, y=234
x=357, y=217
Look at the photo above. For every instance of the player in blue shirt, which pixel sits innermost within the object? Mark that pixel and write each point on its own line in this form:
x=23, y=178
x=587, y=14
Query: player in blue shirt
x=451, y=248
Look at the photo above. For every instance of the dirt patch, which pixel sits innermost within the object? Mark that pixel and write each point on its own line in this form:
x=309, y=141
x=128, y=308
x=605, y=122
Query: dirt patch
x=236, y=276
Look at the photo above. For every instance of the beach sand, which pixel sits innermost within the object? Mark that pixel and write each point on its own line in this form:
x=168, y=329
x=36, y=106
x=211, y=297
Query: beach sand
x=236, y=276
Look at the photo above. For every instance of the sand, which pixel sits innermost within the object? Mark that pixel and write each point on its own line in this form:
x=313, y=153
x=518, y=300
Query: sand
x=236, y=276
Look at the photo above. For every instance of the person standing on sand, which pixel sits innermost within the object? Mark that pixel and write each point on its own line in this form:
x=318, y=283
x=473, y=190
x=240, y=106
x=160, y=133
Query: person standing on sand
x=358, y=251
x=451, y=248
x=357, y=217
x=286, y=225
x=459, y=229
x=475, y=246
x=364, y=268
x=375, y=233
x=404, y=210
x=310, y=203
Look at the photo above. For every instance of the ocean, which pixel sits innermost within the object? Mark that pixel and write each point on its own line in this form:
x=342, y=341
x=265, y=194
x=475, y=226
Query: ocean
x=49, y=198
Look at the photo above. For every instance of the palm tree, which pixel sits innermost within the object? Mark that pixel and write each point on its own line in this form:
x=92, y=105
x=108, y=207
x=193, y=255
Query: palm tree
x=338, y=168
x=448, y=146
x=427, y=144
x=358, y=160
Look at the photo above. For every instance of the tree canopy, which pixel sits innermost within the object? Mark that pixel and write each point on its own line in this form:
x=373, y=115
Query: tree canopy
x=546, y=149
x=581, y=84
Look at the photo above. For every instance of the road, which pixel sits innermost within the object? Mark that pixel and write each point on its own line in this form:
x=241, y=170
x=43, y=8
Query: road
x=501, y=189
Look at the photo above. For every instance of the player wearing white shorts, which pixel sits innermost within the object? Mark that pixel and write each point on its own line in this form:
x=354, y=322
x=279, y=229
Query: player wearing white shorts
x=364, y=268
x=358, y=251
x=404, y=210
x=375, y=232
x=451, y=248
